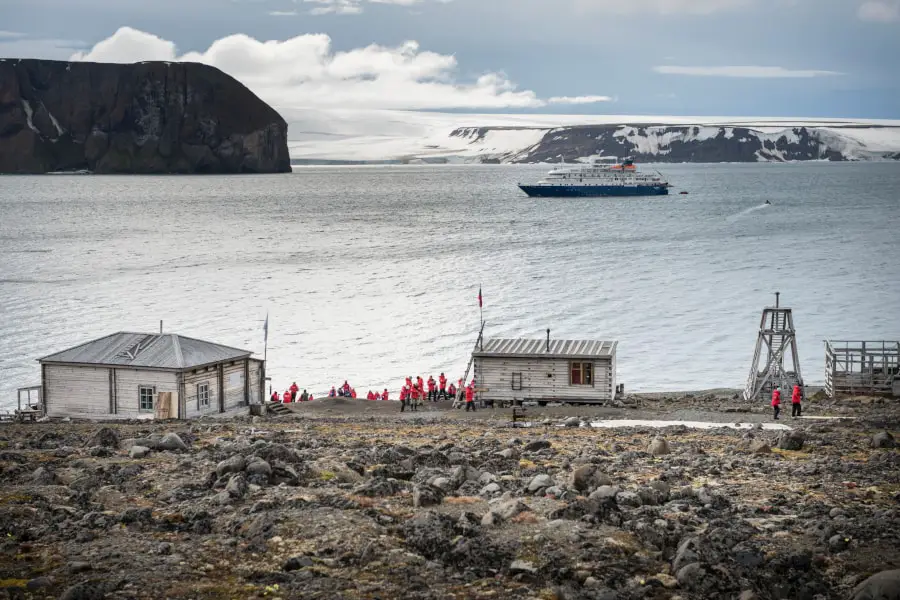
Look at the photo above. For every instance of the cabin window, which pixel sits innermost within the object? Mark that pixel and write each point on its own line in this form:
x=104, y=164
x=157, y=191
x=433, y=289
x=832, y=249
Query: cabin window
x=517, y=381
x=202, y=395
x=145, y=396
x=581, y=373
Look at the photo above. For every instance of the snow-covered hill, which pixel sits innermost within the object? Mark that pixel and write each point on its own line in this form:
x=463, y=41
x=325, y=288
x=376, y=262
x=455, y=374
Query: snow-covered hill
x=436, y=137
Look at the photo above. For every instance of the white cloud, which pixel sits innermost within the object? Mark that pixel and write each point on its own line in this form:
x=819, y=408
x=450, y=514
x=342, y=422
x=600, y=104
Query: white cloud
x=353, y=7
x=878, y=10
x=283, y=13
x=305, y=72
x=743, y=71
x=10, y=35
x=578, y=99
x=665, y=7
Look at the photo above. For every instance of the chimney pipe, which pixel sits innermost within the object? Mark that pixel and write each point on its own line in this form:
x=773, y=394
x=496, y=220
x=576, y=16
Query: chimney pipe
x=777, y=301
x=548, y=339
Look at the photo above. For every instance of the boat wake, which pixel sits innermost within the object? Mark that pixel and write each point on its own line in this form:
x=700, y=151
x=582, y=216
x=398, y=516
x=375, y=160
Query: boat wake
x=747, y=211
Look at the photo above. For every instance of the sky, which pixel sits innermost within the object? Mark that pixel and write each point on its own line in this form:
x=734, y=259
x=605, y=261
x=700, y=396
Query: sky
x=767, y=58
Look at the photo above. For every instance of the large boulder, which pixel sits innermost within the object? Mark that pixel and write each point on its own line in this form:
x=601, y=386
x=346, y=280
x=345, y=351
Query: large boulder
x=587, y=478
x=658, y=447
x=791, y=440
x=171, y=441
x=883, y=440
x=426, y=495
x=105, y=437
x=880, y=586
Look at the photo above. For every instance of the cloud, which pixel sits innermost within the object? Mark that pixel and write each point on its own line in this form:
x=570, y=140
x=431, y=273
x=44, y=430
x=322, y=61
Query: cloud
x=353, y=7
x=880, y=11
x=743, y=71
x=578, y=99
x=305, y=72
x=10, y=35
x=283, y=13
x=664, y=7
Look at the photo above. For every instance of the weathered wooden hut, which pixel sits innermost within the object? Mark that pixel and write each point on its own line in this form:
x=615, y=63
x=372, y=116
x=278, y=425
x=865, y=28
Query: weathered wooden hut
x=860, y=367
x=140, y=375
x=538, y=370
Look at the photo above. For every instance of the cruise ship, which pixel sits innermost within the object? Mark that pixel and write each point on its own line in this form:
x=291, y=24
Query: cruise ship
x=604, y=176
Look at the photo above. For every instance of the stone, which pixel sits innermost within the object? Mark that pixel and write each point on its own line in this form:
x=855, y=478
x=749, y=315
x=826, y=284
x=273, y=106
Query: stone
x=105, y=437
x=38, y=583
x=487, y=478
x=79, y=566
x=86, y=590
x=791, y=440
x=689, y=575
x=688, y=552
x=605, y=492
x=426, y=495
x=629, y=499
x=883, y=440
x=491, y=489
x=760, y=447
x=510, y=453
x=522, y=566
x=510, y=508
x=572, y=422
x=443, y=483
x=139, y=452
x=838, y=543
x=658, y=447
x=296, y=563
x=237, y=486
x=462, y=474
x=172, y=442
x=539, y=482
x=535, y=446
x=377, y=487
x=43, y=476
x=235, y=464
x=587, y=478
x=880, y=586
x=257, y=466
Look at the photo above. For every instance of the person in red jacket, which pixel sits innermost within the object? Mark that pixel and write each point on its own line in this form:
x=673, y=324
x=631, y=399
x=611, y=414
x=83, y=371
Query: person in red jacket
x=370, y=395
x=442, y=387
x=353, y=393
x=287, y=396
x=776, y=401
x=404, y=396
x=275, y=397
x=414, y=404
x=796, y=396
x=470, y=398
x=432, y=389
x=294, y=390
x=384, y=394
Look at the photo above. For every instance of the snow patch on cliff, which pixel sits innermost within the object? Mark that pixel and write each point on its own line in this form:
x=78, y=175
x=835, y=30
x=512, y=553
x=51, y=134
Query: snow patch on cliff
x=29, y=116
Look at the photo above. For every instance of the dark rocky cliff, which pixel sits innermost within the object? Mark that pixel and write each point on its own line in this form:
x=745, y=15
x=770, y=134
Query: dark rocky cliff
x=151, y=117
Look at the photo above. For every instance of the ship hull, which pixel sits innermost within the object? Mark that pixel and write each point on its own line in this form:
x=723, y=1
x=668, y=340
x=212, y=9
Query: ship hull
x=574, y=191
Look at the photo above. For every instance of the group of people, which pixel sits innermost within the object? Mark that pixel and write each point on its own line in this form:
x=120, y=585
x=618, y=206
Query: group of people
x=290, y=395
x=376, y=396
x=796, y=397
x=345, y=391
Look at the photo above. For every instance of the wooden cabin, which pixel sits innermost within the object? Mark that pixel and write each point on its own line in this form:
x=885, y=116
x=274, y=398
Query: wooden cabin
x=145, y=376
x=862, y=368
x=513, y=371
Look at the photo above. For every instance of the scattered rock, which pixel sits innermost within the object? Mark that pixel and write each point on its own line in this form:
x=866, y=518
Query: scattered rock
x=883, y=440
x=535, y=446
x=235, y=464
x=587, y=478
x=296, y=563
x=139, y=452
x=791, y=440
x=257, y=466
x=79, y=566
x=880, y=586
x=658, y=447
x=426, y=495
x=540, y=482
x=172, y=442
x=760, y=447
x=522, y=566
x=38, y=583
x=104, y=437
x=572, y=422
x=237, y=486
x=510, y=453
x=43, y=476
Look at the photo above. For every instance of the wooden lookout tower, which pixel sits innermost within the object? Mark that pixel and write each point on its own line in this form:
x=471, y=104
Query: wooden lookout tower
x=777, y=340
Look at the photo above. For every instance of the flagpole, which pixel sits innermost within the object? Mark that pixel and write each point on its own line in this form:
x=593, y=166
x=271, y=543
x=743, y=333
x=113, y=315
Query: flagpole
x=266, y=352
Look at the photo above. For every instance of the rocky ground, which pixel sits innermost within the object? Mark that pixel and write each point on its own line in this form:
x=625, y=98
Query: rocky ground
x=343, y=499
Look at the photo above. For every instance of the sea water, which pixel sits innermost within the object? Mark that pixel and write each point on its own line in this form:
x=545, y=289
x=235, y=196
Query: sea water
x=371, y=274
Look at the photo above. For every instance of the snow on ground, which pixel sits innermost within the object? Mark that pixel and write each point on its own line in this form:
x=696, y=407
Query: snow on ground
x=352, y=134
x=609, y=423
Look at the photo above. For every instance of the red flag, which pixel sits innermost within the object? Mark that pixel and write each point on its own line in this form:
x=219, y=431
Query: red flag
x=480, y=304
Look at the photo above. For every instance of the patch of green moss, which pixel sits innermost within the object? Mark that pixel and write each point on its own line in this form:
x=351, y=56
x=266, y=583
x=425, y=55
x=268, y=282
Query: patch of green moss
x=327, y=475
x=8, y=583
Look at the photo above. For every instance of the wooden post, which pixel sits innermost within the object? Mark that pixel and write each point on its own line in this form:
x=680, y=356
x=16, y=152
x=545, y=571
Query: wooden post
x=221, y=369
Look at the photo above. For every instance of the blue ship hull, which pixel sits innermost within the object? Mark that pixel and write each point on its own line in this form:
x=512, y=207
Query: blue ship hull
x=571, y=191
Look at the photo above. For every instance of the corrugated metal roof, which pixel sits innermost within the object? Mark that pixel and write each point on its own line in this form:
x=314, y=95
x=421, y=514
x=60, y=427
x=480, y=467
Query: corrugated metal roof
x=558, y=348
x=148, y=350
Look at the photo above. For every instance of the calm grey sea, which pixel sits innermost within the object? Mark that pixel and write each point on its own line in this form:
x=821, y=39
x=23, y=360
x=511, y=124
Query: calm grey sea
x=371, y=273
